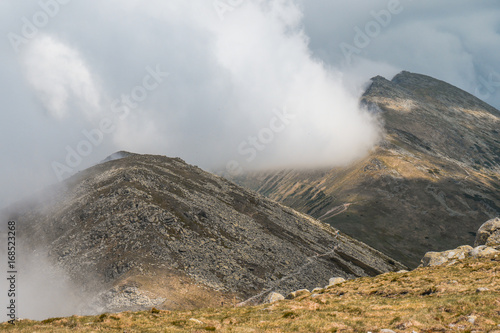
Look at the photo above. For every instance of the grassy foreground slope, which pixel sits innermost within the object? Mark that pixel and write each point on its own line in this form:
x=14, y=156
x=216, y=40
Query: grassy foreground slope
x=432, y=299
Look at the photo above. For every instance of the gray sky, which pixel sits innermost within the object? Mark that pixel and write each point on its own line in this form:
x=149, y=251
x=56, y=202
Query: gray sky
x=238, y=84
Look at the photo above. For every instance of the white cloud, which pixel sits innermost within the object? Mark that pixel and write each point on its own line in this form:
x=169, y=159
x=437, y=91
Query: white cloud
x=60, y=78
x=226, y=76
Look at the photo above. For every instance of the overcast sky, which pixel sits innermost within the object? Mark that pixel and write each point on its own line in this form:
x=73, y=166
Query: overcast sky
x=222, y=84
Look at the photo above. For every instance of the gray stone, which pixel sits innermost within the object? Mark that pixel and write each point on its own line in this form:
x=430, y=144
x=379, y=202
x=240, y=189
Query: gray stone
x=439, y=258
x=482, y=251
x=273, y=297
x=335, y=280
x=489, y=234
x=385, y=330
x=126, y=298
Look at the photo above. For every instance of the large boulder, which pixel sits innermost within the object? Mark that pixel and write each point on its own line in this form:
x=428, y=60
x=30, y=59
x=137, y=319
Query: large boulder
x=489, y=234
x=335, y=280
x=487, y=243
x=439, y=258
x=482, y=251
x=273, y=297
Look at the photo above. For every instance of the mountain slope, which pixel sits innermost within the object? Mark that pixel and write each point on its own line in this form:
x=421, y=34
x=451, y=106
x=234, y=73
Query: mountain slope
x=149, y=230
x=427, y=186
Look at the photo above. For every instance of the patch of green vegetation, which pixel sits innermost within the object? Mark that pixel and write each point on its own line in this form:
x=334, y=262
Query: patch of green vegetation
x=290, y=315
x=434, y=171
x=179, y=323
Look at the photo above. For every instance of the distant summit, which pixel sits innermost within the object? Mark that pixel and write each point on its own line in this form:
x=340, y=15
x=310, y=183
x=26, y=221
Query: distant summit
x=116, y=156
x=430, y=183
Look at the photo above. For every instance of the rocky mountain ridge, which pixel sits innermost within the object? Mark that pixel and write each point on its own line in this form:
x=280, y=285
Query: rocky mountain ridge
x=144, y=230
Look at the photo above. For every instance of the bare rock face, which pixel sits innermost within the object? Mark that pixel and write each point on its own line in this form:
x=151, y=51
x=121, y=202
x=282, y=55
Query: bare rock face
x=143, y=229
x=489, y=234
x=126, y=298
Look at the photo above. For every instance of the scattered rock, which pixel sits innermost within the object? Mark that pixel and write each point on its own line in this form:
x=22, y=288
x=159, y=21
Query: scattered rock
x=481, y=290
x=126, y=298
x=385, y=330
x=453, y=256
x=402, y=271
x=317, y=290
x=335, y=280
x=274, y=297
x=439, y=258
x=194, y=320
x=489, y=234
x=472, y=319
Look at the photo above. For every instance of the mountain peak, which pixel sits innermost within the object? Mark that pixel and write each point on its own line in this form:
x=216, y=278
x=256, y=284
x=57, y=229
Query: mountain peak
x=429, y=184
x=117, y=155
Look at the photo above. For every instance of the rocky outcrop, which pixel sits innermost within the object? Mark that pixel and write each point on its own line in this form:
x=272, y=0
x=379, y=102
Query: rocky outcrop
x=482, y=251
x=489, y=234
x=179, y=233
x=450, y=257
x=126, y=298
x=439, y=258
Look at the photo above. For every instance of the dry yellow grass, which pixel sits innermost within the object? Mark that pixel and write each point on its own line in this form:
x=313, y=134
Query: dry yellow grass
x=435, y=299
